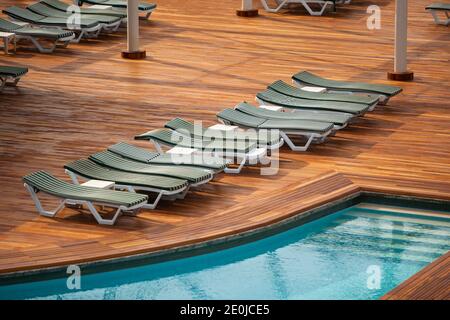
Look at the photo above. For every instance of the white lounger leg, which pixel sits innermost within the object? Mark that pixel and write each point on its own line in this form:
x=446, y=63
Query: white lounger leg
x=292, y=145
x=238, y=169
x=41, y=48
x=14, y=82
x=90, y=206
x=113, y=27
x=99, y=218
x=157, y=146
x=147, y=15
x=437, y=18
x=2, y=83
x=323, y=6
x=153, y=205
x=38, y=204
x=253, y=157
x=269, y=9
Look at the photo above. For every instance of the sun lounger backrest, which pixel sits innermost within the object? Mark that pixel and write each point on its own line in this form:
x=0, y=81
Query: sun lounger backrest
x=43, y=181
x=309, y=78
x=41, y=8
x=165, y=135
x=13, y=71
x=8, y=26
x=133, y=152
x=180, y=124
x=91, y=170
x=439, y=6
x=112, y=160
x=240, y=118
x=286, y=89
x=23, y=14
x=56, y=4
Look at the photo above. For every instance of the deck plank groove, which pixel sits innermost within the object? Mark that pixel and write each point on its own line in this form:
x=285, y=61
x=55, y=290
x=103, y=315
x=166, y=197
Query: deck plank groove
x=82, y=99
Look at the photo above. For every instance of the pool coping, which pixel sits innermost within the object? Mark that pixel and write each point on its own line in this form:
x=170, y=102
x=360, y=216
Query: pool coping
x=228, y=241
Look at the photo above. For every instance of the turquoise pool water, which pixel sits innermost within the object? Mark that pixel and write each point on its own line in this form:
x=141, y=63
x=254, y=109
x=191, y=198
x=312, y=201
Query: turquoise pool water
x=357, y=253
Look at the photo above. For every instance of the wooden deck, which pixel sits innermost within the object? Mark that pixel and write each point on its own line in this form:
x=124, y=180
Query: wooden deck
x=203, y=58
x=432, y=283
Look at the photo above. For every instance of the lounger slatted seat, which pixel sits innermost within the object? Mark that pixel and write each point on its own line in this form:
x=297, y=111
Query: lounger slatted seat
x=162, y=186
x=322, y=4
x=109, y=23
x=86, y=28
x=311, y=130
x=440, y=8
x=11, y=75
x=109, y=159
x=198, y=132
x=172, y=138
x=34, y=34
x=64, y=7
x=339, y=119
x=244, y=152
x=143, y=155
x=384, y=92
x=286, y=89
x=146, y=8
x=42, y=181
x=275, y=98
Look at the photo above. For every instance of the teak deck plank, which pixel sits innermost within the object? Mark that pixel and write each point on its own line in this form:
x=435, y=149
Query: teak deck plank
x=203, y=58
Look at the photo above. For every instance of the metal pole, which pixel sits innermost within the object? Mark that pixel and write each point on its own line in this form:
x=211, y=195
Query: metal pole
x=401, y=36
x=401, y=72
x=247, y=9
x=133, y=51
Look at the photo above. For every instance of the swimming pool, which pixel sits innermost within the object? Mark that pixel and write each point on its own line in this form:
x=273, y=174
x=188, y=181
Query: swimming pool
x=356, y=253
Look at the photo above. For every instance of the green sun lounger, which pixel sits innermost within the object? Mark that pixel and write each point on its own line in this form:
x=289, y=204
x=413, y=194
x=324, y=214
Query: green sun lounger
x=383, y=92
x=195, y=176
x=34, y=34
x=110, y=23
x=199, y=132
x=271, y=97
x=64, y=7
x=86, y=28
x=162, y=186
x=173, y=139
x=288, y=90
x=440, y=8
x=311, y=130
x=244, y=152
x=42, y=181
x=10, y=76
x=146, y=8
x=339, y=119
x=129, y=151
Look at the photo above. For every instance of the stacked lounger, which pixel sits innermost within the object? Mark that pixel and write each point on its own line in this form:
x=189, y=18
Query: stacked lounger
x=109, y=23
x=146, y=8
x=11, y=75
x=131, y=168
x=42, y=181
x=56, y=21
x=440, y=8
x=138, y=154
x=244, y=151
x=85, y=27
x=64, y=7
x=380, y=91
x=35, y=34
